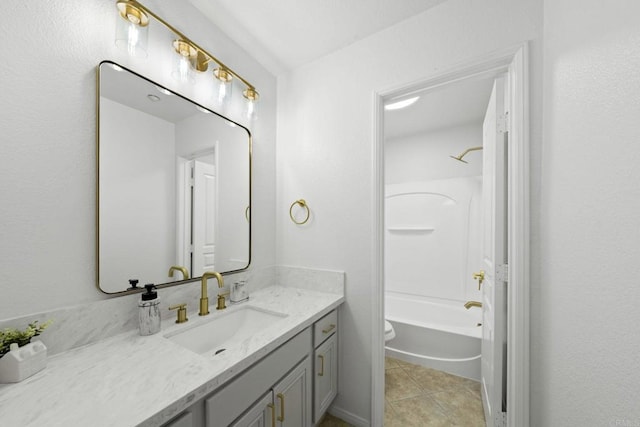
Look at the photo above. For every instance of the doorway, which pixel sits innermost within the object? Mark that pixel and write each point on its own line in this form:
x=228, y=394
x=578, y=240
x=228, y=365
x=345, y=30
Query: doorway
x=511, y=365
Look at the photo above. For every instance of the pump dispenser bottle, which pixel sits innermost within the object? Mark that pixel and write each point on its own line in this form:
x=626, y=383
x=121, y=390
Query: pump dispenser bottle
x=149, y=311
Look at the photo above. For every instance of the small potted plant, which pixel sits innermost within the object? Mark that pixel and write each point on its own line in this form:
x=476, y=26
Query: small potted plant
x=19, y=357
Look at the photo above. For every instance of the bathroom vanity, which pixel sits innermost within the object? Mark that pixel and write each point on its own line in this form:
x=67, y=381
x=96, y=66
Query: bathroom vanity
x=287, y=372
x=292, y=386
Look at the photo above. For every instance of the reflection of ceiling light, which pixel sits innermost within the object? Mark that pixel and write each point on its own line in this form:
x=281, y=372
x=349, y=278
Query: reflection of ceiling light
x=163, y=90
x=116, y=67
x=204, y=110
x=231, y=124
x=401, y=104
x=153, y=98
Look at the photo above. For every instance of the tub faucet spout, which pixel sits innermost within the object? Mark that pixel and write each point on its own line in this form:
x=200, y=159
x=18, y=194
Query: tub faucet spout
x=470, y=304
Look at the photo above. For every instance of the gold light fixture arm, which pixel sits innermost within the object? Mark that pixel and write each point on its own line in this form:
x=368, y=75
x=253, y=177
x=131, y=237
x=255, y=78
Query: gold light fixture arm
x=183, y=38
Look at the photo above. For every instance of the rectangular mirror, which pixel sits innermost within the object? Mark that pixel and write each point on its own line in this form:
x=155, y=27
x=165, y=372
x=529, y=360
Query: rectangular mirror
x=174, y=185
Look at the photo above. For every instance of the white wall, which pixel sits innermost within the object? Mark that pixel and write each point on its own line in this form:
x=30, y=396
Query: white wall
x=137, y=157
x=47, y=154
x=425, y=157
x=584, y=352
x=325, y=148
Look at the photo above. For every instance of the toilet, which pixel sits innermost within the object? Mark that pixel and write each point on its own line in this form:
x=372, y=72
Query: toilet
x=389, y=333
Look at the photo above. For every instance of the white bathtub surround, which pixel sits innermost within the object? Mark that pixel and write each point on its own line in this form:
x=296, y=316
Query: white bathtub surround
x=150, y=379
x=432, y=237
x=435, y=335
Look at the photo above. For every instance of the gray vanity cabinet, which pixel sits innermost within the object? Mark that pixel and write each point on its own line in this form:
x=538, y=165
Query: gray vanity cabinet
x=293, y=397
x=325, y=379
x=285, y=374
x=262, y=414
x=291, y=387
x=287, y=404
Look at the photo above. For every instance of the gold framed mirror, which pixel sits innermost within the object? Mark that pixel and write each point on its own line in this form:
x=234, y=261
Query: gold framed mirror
x=173, y=186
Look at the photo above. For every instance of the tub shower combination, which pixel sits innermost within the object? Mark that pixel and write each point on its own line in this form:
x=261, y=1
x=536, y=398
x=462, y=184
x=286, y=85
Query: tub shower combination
x=432, y=247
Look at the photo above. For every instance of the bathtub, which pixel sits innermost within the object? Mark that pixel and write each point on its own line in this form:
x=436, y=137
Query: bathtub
x=443, y=336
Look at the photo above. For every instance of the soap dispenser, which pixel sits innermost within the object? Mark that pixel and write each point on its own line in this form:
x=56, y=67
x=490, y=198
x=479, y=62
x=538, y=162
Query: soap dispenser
x=149, y=311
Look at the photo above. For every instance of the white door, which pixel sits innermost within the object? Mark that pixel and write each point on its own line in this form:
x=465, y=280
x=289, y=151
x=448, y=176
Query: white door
x=204, y=217
x=494, y=257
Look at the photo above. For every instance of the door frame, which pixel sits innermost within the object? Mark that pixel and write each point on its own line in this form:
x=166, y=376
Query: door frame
x=513, y=61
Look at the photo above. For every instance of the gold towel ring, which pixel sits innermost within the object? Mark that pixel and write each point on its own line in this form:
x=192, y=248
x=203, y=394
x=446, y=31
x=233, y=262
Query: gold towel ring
x=303, y=205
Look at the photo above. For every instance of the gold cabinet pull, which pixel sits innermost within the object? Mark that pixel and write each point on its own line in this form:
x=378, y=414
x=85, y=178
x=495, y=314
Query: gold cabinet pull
x=281, y=397
x=321, y=357
x=273, y=414
x=479, y=276
x=329, y=329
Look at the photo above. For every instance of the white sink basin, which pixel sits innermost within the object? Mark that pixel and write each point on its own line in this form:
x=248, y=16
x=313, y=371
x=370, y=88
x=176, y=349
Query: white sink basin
x=223, y=331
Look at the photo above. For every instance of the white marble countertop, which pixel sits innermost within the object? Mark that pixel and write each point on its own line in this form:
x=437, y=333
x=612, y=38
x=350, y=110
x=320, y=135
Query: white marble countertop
x=131, y=380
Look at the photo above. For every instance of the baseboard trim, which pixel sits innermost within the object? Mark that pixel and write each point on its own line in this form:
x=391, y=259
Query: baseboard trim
x=348, y=417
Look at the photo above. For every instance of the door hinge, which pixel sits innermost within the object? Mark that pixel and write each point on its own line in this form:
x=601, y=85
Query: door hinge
x=503, y=122
x=502, y=273
x=501, y=419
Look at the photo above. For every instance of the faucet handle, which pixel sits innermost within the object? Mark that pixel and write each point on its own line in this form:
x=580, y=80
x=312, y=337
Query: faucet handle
x=479, y=276
x=221, y=302
x=182, y=312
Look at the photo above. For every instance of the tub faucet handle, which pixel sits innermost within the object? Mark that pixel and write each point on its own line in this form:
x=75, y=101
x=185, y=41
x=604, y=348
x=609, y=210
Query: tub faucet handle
x=479, y=276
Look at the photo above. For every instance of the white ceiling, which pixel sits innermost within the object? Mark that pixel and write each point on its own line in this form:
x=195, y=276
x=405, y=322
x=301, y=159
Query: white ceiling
x=459, y=103
x=285, y=34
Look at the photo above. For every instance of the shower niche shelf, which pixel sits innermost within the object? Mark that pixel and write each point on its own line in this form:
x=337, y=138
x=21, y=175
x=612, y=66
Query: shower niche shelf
x=411, y=229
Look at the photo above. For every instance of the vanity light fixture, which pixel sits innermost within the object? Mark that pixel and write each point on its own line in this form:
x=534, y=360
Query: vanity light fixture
x=132, y=30
x=189, y=56
x=401, y=104
x=252, y=98
x=224, y=79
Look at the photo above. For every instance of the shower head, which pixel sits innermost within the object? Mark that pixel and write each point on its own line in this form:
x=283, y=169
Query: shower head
x=464, y=153
x=459, y=159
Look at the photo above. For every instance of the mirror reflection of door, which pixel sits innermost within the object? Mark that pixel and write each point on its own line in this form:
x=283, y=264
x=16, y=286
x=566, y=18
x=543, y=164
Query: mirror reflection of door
x=201, y=223
x=173, y=185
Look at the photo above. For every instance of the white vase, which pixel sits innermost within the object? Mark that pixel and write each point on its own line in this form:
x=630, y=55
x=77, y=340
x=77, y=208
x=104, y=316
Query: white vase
x=22, y=362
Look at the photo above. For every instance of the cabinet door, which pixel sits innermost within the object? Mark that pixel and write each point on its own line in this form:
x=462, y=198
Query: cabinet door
x=184, y=420
x=293, y=397
x=262, y=414
x=325, y=378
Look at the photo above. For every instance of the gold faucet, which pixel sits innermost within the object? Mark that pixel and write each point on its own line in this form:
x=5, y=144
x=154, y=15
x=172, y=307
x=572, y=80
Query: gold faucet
x=183, y=270
x=470, y=304
x=204, y=298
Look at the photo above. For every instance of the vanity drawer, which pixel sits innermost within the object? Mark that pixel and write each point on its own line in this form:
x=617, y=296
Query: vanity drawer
x=324, y=328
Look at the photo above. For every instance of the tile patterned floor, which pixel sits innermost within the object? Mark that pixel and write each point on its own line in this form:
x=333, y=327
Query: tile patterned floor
x=331, y=421
x=421, y=397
